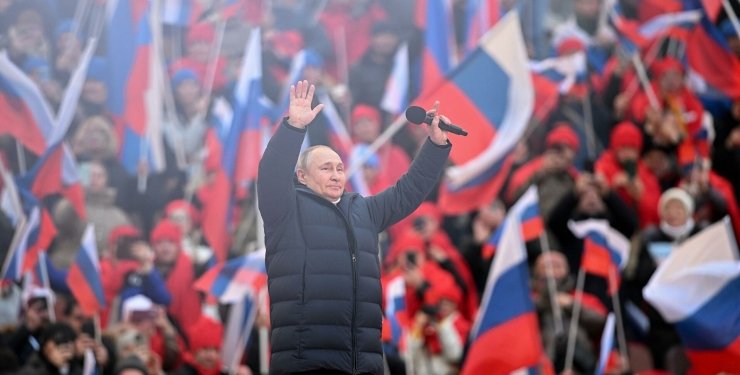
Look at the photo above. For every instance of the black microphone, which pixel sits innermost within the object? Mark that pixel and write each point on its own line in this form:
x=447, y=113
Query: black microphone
x=418, y=115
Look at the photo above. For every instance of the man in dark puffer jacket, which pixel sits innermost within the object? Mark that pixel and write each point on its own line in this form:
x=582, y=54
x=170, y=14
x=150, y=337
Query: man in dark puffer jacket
x=322, y=246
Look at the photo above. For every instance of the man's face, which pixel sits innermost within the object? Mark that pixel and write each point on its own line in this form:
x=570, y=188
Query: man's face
x=37, y=314
x=366, y=130
x=94, y=92
x=672, y=81
x=207, y=358
x=324, y=173
x=59, y=354
x=674, y=213
x=165, y=252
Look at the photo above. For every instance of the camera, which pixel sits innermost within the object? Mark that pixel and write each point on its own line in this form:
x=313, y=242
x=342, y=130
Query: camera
x=419, y=223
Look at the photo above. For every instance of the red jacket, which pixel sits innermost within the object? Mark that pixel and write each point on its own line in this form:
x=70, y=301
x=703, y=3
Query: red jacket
x=647, y=206
x=185, y=305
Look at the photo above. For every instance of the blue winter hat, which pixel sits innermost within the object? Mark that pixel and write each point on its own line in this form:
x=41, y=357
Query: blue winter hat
x=65, y=26
x=97, y=69
x=314, y=59
x=182, y=75
x=37, y=65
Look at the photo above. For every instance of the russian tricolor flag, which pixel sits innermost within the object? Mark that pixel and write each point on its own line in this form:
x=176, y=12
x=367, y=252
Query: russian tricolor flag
x=481, y=15
x=710, y=59
x=395, y=307
x=234, y=145
x=10, y=202
x=696, y=288
x=605, y=250
x=491, y=94
x=505, y=337
x=25, y=113
x=83, y=278
x=396, y=96
x=232, y=280
x=238, y=329
x=525, y=216
x=181, y=13
x=132, y=82
x=438, y=51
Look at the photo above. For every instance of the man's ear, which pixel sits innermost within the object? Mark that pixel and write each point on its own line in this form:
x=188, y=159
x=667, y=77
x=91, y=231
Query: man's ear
x=301, y=176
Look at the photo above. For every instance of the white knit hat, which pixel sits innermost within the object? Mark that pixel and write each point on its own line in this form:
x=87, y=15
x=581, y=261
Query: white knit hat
x=680, y=195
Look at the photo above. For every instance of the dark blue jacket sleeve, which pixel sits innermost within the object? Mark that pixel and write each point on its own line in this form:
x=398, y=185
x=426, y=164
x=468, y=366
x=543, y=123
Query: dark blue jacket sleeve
x=400, y=200
x=276, y=169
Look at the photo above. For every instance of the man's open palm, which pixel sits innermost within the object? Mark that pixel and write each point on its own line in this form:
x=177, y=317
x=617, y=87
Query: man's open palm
x=300, y=113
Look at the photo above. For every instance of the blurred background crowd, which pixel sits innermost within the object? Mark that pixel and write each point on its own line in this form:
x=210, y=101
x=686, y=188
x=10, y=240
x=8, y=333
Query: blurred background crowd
x=643, y=132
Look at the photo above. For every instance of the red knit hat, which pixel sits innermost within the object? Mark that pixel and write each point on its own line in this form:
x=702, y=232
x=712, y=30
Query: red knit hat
x=427, y=209
x=288, y=42
x=205, y=333
x=663, y=66
x=408, y=242
x=443, y=290
x=166, y=230
x=563, y=134
x=201, y=32
x=121, y=231
x=365, y=111
x=626, y=134
x=184, y=205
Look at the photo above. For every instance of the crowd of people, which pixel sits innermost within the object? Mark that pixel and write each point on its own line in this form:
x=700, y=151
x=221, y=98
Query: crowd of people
x=658, y=173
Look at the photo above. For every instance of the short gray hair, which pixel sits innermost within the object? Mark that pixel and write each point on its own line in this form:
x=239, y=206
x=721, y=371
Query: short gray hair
x=303, y=158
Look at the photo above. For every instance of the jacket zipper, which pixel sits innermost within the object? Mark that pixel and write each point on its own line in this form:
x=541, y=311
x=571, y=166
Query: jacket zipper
x=353, y=255
x=353, y=252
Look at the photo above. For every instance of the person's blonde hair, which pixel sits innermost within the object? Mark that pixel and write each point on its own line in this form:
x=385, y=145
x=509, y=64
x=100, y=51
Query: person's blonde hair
x=91, y=124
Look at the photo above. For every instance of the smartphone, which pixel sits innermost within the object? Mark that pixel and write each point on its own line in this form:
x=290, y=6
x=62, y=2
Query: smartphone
x=411, y=258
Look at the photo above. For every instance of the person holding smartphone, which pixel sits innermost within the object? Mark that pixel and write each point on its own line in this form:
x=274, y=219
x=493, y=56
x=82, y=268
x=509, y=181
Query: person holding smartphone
x=628, y=175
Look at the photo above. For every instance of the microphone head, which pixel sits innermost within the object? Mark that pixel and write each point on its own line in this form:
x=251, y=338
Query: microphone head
x=415, y=114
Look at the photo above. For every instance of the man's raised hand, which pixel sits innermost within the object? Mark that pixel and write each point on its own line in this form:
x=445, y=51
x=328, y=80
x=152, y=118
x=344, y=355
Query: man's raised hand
x=300, y=113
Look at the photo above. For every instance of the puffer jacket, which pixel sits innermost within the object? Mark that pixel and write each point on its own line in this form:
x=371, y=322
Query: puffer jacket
x=322, y=260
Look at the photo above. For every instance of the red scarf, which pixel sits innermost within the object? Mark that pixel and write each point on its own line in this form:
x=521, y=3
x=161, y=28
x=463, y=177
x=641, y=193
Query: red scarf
x=185, y=304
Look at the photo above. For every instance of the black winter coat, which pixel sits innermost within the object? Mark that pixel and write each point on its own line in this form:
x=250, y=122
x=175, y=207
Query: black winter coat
x=322, y=260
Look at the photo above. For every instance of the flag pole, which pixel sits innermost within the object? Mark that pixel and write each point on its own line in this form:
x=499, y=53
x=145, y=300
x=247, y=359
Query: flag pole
x=551, y=287
x=384, y=138
x=21, y=157
x=732, y=16
x=17, y=236
x=343, y=68
x=621, y=336
x=212, y=62
x=80, y=13
x=573, y=329
x=634, y=83
x=644, y=82
x=45, y=281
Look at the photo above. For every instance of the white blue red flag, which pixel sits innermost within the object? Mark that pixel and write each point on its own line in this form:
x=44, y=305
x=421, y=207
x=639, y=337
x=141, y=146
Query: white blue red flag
x=505, y=335
x=84, y=279
x=491, y=95
x=696, y=289
x=396, y=96
x=232, y=280
x=133, y=85
x=605, y=250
